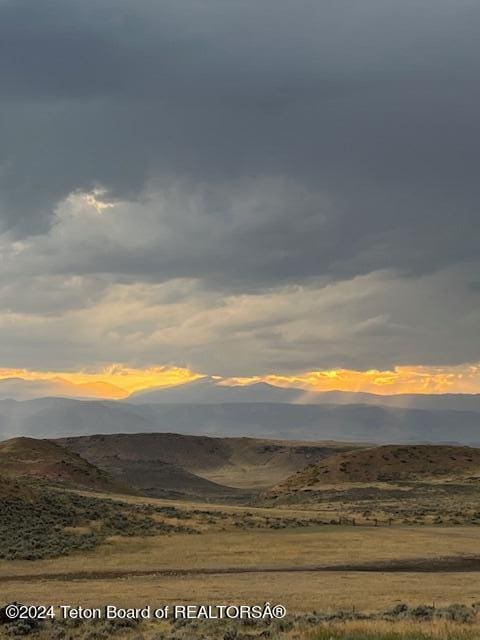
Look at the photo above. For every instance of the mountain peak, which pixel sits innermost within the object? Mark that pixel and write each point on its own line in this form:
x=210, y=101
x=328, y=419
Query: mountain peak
x=209, y=390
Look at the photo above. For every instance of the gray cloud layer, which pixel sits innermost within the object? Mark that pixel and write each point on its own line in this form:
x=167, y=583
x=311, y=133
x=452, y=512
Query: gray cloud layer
x=249, y=147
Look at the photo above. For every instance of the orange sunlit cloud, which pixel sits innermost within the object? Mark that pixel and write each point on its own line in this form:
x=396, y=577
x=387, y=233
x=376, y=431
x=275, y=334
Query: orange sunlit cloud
x=415, y=379
x=119, y=381
x=115, y=381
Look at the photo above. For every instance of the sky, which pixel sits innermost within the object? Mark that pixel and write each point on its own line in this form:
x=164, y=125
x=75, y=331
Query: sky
x=283, y=190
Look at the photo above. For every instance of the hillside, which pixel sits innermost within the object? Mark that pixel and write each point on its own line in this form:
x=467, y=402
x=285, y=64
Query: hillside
x=44, y=460
x=246, y=463
x=389, y=463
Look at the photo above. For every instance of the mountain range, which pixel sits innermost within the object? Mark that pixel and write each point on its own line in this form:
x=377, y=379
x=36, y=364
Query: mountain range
x=210, y=390
x=376, y=424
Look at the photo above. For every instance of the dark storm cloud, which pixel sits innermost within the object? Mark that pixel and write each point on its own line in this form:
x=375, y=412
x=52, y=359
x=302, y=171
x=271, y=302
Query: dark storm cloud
x=373, y=105
x=249, y=147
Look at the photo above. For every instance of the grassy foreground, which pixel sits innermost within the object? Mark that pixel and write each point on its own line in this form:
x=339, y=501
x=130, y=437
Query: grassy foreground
x=157, y=552
x=456, y=622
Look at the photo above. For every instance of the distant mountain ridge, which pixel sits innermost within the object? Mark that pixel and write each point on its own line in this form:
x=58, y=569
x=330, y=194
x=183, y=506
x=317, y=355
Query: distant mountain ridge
x=209, y=390
x=57, y=417
x=440, y=401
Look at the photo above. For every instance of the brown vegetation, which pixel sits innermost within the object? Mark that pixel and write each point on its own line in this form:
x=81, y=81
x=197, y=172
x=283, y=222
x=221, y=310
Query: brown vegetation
x=389, y=463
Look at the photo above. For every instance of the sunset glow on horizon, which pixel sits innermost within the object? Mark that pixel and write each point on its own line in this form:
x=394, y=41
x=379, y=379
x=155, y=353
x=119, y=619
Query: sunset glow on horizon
x=119, y=381
x=400, y=380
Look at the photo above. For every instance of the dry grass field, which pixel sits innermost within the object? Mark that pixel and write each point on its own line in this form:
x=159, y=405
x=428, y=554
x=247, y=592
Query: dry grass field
x=337, y=556
x=309, y=548
x=238, y=558
x=300, y=591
